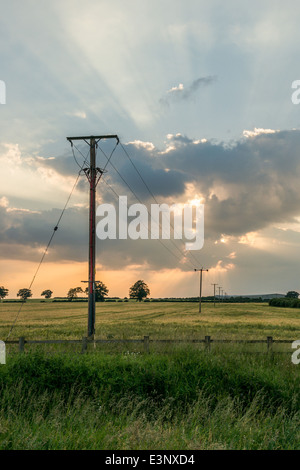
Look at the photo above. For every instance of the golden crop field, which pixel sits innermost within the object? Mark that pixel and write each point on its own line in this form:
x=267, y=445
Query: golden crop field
x=159, y=320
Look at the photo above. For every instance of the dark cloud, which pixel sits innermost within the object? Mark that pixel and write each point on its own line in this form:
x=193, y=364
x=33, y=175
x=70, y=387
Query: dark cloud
x=163, y=182
x=182, y=93
x=24, y=236
x=65, y=164
x=32, y=231
x=248, y=185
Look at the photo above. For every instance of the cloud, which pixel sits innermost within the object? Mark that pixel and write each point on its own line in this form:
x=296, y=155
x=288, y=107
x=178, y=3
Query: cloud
x=257, y=131
x=181, y=93
x=4, y=202
x=78, y=114
x=33, y=181
x=140, y=144
x=247, y=187
x=174, y=89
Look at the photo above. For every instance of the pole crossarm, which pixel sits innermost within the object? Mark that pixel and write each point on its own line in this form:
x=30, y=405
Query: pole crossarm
x=89, y=138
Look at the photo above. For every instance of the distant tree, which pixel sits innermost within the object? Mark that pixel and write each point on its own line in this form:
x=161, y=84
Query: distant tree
x=47, y=293
x=292, y=294
x=3, y=292
x=24, y=294
x=100, y=291
x=72, y=294
x=139, y=291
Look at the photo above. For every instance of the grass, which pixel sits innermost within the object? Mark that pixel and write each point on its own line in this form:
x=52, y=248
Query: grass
x=179, y=401
x=178, y=397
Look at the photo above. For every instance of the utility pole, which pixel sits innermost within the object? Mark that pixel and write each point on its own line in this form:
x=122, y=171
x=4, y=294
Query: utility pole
x=219, y=292
x=214, y=293
x=200, y=298
x=93, y=175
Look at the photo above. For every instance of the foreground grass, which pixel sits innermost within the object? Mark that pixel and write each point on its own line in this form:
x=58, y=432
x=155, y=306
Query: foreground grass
x=159, y=320
x=173, y=398
x=184, y=400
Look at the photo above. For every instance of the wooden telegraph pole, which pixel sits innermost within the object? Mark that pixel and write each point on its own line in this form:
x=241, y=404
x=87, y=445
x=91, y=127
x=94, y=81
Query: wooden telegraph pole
x=214, y=293
x=200, y=297
x=219, y=292
x=93, y=175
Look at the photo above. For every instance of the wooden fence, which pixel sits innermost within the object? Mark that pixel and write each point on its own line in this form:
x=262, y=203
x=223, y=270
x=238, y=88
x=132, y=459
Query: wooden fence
x=207, y=341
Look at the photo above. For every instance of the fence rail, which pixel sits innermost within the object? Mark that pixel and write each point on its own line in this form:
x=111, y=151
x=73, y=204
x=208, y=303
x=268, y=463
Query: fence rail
x=207, y=341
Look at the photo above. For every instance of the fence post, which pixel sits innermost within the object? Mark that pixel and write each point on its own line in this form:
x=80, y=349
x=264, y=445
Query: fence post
x=207, y=343
x=21, y=344
x=84, y=344
x=146, y=344
x=269, y=343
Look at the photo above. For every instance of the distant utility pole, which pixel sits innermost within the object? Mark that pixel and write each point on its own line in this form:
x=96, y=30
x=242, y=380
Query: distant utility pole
x=219, y=292
x=93, y=175
x=214, y=293
x=222, y=294
x=200, y=298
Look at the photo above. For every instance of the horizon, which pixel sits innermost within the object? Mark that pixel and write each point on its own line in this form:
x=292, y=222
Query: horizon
x=80, y=297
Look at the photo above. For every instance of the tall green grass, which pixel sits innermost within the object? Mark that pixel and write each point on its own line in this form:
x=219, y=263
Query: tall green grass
x=184, y=400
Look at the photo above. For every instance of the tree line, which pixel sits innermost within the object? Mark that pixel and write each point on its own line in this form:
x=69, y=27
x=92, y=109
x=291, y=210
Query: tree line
x=139, y=291
x=291, y=300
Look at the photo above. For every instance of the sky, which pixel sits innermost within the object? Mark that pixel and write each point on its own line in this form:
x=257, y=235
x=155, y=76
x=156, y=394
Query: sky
x=200, y=96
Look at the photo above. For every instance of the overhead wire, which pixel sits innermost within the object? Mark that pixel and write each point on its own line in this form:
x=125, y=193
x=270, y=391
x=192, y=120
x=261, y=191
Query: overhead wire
x=135, y=195
x=108, y=158
x=97, y=146
x=149, y=230
x=150, y=192
x=85, y=161
x=138, y=199
x=46, y=249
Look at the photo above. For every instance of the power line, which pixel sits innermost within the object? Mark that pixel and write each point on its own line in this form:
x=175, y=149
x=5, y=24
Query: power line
x=84, y=158
x=69, y=197
x=138, y=199
x=160, y=241
x=150, y=192
x=46, y=250
x=138, y=172
x=109, y=158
